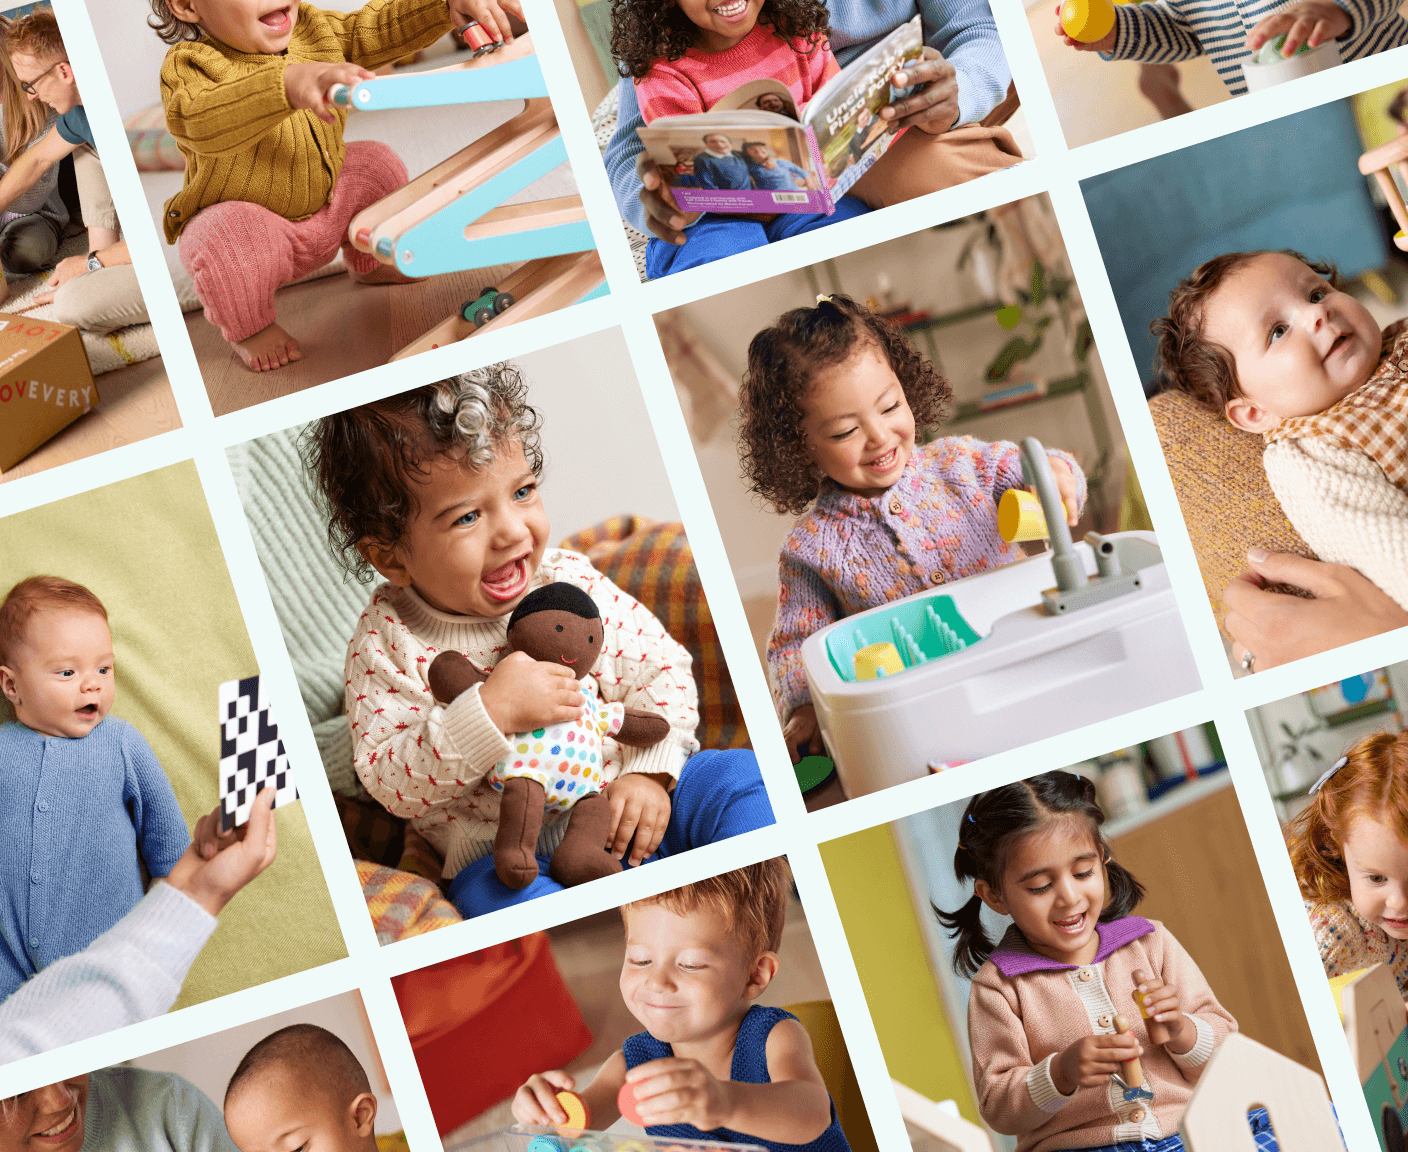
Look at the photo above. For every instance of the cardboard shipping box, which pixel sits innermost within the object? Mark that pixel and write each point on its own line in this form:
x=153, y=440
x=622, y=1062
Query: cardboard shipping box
x=45, y=384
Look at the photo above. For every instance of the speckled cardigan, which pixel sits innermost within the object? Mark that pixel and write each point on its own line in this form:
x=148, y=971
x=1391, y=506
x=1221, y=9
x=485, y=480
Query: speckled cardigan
x=1349, y=943
x=936, y=523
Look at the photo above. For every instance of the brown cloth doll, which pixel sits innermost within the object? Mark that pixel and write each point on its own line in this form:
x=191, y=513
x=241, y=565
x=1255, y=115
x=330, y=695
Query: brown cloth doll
x=560, y=766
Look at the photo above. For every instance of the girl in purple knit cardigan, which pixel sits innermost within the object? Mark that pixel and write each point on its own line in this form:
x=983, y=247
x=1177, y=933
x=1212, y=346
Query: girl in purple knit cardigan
x=830, y=403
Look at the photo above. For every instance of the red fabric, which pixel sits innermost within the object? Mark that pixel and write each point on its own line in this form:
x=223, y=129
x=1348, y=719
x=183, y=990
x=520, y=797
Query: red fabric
x=481, y=1024
x=698, y=80
x=239, y=254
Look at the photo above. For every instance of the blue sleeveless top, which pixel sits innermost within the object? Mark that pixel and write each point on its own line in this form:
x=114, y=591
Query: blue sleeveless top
x=750, y=1066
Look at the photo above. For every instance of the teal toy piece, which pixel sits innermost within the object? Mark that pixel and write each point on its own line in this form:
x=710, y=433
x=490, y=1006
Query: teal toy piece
x=489, y=304
x=923, y=629
x=519, y=79
x=602, y=289
x=1386, y=1094
x=438, y=244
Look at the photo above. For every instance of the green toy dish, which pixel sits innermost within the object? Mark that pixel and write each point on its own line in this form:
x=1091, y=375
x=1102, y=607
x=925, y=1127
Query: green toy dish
x=813, y=772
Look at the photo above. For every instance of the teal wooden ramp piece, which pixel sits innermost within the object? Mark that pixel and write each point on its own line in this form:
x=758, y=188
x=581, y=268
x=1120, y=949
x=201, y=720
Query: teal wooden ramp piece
x=520, y=79
x=922, y=628
x=602, y=289
x=438, y=244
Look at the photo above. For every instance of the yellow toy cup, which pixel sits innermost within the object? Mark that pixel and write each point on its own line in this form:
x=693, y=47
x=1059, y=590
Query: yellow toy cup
x=1087, y=20
x=1019, y=516
x=876, y=660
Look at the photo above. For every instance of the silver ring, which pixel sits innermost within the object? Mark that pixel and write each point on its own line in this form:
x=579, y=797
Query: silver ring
x=1248, y=659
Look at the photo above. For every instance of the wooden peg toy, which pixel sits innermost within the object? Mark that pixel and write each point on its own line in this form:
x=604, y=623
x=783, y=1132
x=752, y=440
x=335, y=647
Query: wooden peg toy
x=579, y=1116
x=1378, y=164
x=1158, y=1033
x=1133, y=1070
x=626, y=1104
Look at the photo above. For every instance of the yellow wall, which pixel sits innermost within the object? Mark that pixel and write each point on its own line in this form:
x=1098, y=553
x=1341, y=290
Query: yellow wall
x=887, y=945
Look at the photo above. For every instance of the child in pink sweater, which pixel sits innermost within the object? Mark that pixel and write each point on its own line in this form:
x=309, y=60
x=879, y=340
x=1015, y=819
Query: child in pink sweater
x=1041, y=1012
x=686, y=56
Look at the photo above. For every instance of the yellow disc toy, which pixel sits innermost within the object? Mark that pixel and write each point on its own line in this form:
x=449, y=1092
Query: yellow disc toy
x=578, y=1116
x=876, y=660
x=1019, y=516
x=1087, y=20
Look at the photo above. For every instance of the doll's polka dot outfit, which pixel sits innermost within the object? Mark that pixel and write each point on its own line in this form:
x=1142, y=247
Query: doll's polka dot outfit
x=564, y=758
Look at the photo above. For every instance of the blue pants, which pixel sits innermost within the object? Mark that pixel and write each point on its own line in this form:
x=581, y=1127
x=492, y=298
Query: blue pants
x=1257, y=1118
x=715, y=237
x=718, y=795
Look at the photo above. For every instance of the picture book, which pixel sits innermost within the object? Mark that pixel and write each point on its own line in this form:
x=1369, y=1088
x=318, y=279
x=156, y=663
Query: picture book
x=755, y=151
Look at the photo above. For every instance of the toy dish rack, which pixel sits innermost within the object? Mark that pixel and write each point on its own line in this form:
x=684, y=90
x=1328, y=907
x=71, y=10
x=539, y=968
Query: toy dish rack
x=521, y=1138
x=453, y=217
x=1002, y=658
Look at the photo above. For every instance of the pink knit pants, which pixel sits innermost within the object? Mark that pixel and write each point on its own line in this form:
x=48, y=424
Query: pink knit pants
x=240, y=253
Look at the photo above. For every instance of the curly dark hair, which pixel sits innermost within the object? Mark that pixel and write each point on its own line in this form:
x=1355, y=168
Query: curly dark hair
x=1186, y=360
x=365, y=460
x=782, y=360
x=645, y=32
x=167, y=25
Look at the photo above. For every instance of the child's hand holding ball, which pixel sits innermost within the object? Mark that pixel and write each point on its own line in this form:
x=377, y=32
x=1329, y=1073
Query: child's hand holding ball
x=308, y=86
x=1310, y=22
x=1105, y=43
x=536, y=1102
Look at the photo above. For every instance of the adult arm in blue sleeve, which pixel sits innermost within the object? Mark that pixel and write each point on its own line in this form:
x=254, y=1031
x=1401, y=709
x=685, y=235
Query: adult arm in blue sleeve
x=965, y=34
x=620, y=157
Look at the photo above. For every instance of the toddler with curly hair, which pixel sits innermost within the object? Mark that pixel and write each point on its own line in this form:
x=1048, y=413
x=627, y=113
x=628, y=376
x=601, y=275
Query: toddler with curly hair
x=1268, y=340
x=830, y=405
x=685, y=57
x=437, y=490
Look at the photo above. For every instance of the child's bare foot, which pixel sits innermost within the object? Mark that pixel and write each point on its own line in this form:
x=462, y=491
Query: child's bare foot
x=264, y=351
x=382, y=274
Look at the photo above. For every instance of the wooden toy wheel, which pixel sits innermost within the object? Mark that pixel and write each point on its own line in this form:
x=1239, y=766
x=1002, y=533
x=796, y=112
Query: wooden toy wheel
x=502, y=301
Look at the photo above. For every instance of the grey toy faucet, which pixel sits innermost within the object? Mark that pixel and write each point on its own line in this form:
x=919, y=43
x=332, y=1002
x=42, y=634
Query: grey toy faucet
x=1036, y=471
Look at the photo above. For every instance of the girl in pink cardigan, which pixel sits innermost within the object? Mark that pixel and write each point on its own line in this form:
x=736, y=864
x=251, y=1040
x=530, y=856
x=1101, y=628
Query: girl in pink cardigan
x=1041, y=1012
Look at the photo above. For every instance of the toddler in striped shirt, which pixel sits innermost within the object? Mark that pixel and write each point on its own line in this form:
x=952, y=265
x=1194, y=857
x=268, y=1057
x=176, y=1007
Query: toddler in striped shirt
x=1166, y=31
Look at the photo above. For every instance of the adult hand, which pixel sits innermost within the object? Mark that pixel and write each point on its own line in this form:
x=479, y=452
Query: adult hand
x=218, y=864
x=1106, y=43
x=1278, y=628
x=662, y=215
x=934, y=108
x=1310, y=22
x=69, y=268
x=640, y=808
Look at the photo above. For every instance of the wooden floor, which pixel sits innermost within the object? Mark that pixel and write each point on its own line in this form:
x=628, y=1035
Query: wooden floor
x=342, y=327
x=136, y=403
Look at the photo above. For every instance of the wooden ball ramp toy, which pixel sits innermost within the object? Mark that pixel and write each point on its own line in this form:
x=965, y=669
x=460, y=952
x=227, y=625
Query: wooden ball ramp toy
x=1376, y=1026
x=453, y=217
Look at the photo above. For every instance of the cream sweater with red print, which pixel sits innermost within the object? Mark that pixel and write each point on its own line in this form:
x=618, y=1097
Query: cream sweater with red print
x=430, y=763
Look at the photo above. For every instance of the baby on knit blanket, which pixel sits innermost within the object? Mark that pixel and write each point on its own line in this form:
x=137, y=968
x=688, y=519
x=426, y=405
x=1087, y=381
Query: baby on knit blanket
x=1269, y=340
x=830, y=403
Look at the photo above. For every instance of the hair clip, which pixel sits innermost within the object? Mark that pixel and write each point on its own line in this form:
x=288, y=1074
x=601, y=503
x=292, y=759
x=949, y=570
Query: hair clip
x=970, y=818
x=823, y=298
x=1335, y=767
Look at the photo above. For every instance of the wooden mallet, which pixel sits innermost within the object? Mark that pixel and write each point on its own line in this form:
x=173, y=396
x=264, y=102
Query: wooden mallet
x=1158, y=1033
x=1133, y=1070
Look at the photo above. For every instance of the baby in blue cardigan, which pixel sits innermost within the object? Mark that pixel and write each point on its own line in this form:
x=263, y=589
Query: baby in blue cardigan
x=81, y=794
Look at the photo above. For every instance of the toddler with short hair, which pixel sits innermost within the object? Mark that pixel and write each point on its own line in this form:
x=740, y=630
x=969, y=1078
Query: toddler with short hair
x=83, y=801
x=271, y=186
x=712, y=1064
x=297, y=1087
x=1270, y=341
x=437, y=489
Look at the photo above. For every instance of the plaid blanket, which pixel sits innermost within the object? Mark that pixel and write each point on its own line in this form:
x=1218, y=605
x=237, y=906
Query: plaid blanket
x=402, y=904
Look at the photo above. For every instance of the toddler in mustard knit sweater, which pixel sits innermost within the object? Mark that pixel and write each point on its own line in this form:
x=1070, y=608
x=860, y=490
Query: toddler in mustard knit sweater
x=270, y=184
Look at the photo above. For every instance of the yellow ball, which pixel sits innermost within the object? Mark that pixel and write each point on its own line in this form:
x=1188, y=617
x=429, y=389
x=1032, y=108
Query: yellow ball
x=1087, y=20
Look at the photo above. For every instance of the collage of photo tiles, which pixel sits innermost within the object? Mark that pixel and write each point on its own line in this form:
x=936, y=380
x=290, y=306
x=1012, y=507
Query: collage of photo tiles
x=823, y=604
